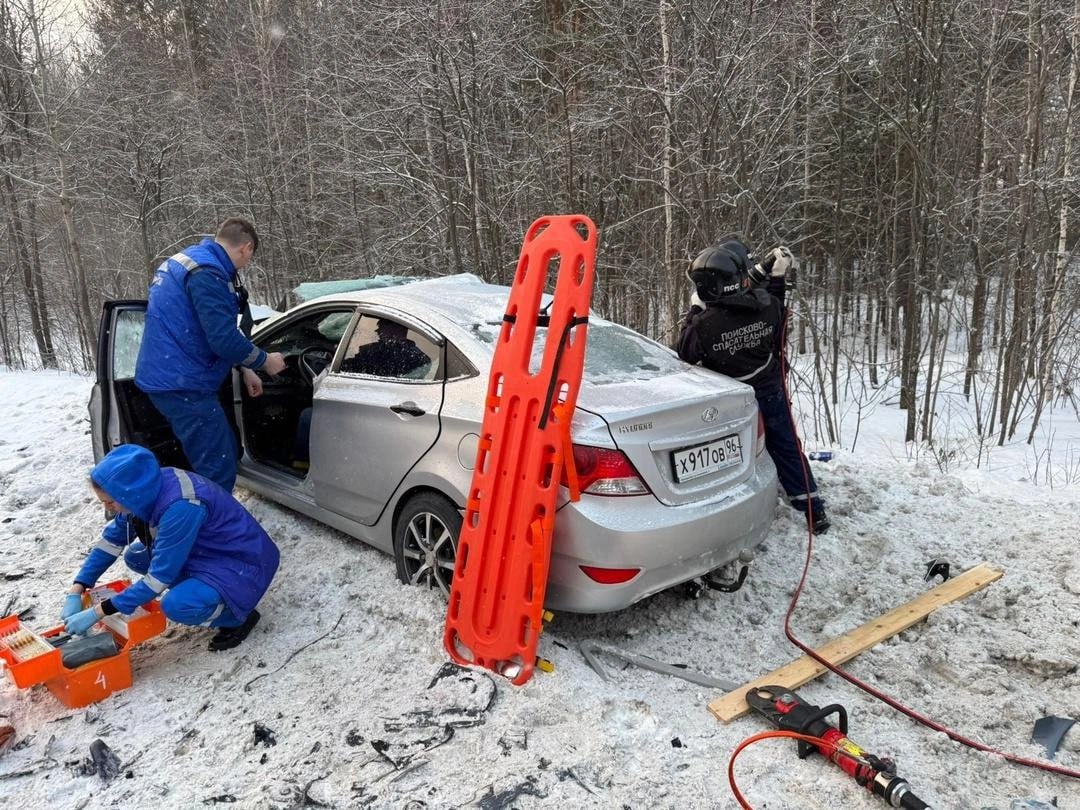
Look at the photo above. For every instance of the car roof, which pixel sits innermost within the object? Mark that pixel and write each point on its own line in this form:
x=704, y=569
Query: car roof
x=461, y=298
x=470, y=313
x=457, y=306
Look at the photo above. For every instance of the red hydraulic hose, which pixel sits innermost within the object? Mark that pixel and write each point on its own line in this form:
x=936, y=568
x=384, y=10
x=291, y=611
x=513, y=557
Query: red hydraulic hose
x=824, y=745
x=914, y=715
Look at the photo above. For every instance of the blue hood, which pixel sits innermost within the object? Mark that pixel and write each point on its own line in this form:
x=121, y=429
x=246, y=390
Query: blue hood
x=131, y=476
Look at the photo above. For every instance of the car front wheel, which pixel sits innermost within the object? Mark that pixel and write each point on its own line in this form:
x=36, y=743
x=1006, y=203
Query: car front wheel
x=425, y=541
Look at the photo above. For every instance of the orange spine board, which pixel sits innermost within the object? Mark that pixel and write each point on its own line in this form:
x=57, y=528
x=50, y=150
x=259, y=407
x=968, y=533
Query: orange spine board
x=497, y=598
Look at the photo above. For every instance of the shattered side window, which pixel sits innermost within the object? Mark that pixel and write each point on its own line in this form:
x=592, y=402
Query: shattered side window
x=333, y=326
x=127, y=337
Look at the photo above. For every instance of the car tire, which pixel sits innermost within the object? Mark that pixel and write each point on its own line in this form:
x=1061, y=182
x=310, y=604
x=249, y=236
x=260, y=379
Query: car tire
x=425, y=541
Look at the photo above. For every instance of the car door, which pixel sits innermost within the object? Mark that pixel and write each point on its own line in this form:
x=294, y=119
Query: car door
x=120, y=413
x=377, y=413
x=271, y=422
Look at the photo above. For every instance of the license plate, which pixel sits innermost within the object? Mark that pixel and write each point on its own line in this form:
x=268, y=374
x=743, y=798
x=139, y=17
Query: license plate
x=707, y=458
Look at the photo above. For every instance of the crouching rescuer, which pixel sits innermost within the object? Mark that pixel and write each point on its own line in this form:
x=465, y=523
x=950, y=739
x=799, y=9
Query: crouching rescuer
x=188, y=537
x=735, y=327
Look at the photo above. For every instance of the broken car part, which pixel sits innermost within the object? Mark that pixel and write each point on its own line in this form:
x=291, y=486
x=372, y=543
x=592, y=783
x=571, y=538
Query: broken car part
x=1050, y=731
x=590, y=648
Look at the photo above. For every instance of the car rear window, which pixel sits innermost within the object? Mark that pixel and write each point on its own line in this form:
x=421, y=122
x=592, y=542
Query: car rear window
x=613, y=353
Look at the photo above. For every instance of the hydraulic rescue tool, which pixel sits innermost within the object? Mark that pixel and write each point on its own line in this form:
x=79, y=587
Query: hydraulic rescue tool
x=787, y=711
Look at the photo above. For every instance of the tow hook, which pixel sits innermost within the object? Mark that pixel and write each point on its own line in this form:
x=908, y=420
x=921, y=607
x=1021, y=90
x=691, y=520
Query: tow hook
x=714, y=583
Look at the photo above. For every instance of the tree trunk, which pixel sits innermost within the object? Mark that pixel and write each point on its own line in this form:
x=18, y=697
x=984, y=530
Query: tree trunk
x=1050, y=333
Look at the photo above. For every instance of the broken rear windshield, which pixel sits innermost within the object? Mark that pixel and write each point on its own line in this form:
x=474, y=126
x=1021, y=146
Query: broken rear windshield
x=613, y=353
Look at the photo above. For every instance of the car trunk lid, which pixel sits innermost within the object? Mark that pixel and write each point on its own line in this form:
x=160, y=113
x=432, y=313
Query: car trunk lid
x=691, y=435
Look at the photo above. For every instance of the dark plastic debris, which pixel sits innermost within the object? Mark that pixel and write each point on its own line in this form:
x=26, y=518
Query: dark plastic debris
x=1050, y=731
x=7, y=735
x=676, y=742
x=937, y=568
x=264, y=735
x=510, y=796
x=102, y=762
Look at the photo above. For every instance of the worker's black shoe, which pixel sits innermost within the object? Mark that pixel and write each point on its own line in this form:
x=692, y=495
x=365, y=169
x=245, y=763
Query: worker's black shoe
x=821, y=522
x=228, y=637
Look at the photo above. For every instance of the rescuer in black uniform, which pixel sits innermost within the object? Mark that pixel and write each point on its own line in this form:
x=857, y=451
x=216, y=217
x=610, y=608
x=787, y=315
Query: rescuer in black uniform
x=735, y=327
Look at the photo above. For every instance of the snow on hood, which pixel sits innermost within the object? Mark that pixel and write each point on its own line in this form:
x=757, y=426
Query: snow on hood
x=131, y=476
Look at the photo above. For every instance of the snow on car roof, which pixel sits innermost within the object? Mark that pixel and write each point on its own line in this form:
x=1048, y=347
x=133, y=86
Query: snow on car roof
x=614, y=354
x=463, y=298
x=317, y=289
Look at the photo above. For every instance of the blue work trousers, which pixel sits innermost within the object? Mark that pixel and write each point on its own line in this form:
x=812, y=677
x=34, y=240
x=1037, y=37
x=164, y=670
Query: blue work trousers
x=190, y=601
x=792, y=468
x=199, y=422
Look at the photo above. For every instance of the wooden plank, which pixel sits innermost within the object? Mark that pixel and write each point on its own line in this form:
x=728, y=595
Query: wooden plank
x=853, y=642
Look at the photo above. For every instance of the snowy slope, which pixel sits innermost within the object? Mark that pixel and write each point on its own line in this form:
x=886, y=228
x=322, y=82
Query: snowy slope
x=348, y=707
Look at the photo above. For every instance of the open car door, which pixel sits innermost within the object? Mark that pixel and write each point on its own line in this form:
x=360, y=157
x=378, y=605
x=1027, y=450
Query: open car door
x=119, y=412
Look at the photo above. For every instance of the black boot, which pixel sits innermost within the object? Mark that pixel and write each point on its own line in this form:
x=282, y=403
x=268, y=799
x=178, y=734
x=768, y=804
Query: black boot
x=228, y=637
x=821, y=522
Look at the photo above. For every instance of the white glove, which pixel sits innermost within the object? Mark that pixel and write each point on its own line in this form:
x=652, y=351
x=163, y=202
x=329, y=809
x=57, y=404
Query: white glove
x=782, y=261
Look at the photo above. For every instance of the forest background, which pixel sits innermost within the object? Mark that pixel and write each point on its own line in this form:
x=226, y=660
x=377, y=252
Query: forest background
x=918, y=155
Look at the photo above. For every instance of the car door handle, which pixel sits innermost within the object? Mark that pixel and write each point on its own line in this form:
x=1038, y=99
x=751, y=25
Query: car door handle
x=408, y=407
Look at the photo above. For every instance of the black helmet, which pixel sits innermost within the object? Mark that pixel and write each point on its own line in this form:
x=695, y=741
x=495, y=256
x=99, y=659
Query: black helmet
x=720, y=270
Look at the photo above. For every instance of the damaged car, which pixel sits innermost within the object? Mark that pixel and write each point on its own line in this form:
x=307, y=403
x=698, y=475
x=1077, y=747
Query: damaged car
x=374, y=425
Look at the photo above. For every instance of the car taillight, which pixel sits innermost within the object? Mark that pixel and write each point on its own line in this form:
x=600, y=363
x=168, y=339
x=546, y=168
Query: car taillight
x=605, y=472
x=759, y=445
x=609, y=576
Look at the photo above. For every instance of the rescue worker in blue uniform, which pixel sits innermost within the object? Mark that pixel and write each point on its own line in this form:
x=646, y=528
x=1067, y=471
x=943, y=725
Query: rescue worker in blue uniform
x=735, y=327
x=191, y=341
x=190, y=540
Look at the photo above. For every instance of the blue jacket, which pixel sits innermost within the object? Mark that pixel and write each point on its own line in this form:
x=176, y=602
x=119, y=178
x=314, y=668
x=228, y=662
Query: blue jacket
x=191, y=339
x=194, y=527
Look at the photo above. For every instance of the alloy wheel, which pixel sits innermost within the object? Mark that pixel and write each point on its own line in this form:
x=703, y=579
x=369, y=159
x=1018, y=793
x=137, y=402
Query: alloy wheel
x=429, y=551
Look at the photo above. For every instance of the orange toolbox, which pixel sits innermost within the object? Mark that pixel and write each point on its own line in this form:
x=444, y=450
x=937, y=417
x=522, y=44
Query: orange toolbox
x=30, y=659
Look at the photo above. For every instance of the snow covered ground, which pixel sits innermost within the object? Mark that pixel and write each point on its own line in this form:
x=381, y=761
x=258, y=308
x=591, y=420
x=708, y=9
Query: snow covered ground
x=338, y=676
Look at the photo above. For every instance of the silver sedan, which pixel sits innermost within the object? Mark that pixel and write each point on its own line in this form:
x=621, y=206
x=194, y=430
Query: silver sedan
x=373, y=429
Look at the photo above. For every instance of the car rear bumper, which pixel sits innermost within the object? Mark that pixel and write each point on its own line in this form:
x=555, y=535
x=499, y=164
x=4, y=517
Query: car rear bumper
x=671, y=544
